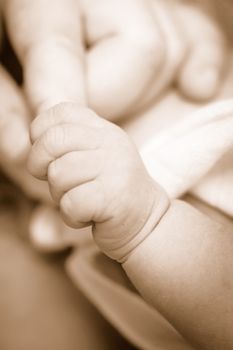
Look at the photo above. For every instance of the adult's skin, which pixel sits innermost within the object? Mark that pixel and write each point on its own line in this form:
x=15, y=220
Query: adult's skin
x=146, y=52
x=134, y=50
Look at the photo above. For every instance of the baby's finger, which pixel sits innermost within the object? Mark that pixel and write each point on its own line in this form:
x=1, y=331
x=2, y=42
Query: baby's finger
x=63, y=113
x=201, y=75
x=71, y=170
x=80, y=206
x=46, y=36
x=125, y=52
x=14, y=121
x=57, y=141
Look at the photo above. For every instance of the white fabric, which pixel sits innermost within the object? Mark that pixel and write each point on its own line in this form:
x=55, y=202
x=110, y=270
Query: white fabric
x=196, y=155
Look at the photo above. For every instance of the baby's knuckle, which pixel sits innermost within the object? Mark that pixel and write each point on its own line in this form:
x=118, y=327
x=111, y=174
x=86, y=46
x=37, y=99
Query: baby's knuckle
x=66, y=206
x=54, y=138
x=54, y=173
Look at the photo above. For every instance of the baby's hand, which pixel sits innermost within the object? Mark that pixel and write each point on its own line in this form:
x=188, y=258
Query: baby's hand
x=97, y=176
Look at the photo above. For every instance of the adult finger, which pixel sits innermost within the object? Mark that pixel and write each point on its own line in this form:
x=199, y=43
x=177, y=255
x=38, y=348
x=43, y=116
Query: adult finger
x=35, y=189
x=14, y=138
x=126, y=50
x=14, y=121
x=202, y=73
x=47, y=39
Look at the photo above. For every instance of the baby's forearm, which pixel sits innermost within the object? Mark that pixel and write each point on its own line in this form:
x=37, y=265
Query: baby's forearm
x=184, y=268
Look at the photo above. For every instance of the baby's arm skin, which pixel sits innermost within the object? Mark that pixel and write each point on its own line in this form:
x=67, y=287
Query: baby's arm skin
x=178, y=258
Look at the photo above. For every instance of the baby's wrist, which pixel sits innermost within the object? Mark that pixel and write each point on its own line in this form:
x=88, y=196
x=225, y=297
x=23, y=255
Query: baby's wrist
x=124, y=249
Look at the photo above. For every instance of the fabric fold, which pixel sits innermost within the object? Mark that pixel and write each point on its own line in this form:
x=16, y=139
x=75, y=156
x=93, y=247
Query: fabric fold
x=182, y=157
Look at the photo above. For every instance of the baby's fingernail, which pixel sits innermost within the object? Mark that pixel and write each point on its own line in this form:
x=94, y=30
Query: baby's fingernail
x=14, y=141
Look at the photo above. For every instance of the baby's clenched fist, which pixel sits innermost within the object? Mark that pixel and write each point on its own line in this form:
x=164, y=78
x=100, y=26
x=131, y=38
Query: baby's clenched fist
x=96, y=176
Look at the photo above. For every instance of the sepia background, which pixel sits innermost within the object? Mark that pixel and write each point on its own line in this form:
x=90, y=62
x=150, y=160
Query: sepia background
x=41, y=308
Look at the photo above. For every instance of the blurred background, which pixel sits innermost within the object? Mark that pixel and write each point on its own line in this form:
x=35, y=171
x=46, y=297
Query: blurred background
x=40, y=308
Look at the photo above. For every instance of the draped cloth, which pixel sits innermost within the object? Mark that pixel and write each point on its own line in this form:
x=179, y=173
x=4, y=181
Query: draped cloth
x=196, y=156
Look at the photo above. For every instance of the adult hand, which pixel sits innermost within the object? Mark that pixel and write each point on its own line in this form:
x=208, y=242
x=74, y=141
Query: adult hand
x=14, y=138
x=133, y=51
